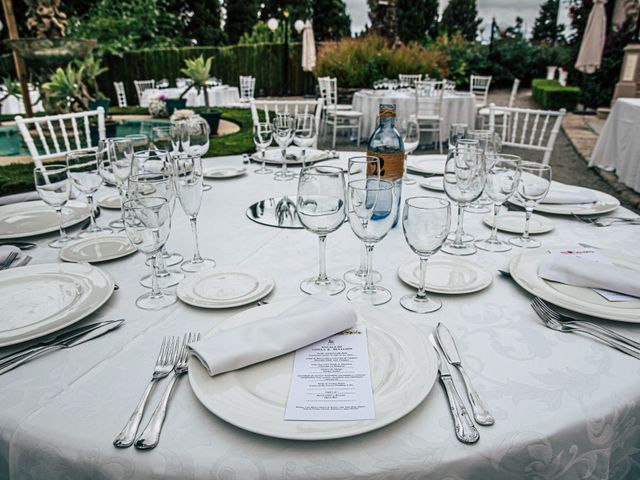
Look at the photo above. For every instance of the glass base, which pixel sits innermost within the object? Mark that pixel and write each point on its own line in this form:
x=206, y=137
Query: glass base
x=331, y=286
x=524, y=242
x=413, y=303
x=117, y=224
x=61, y=242
x=356, y=276
x=463, y=249
x=376, y=296
x=263, y=171
x=191, y=266
x=477, y=208
x=169, y=279
x=493, y=245
x=148, y=301
x=281, y=176
x=206, y=187
x=94, y=232
x=170, y=259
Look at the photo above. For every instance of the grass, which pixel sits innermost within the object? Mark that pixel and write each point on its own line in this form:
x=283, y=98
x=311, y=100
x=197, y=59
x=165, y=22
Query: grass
x=17, y=178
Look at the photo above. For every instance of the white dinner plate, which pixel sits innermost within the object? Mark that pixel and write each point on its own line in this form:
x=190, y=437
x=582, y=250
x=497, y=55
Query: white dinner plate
x=26, y=219
x=273, y=156
x=605, y=204
x=97, y=249
x=224, y=288
x=429, y=164
x=341, y=163
x=111, y=201
x=447, y=275
x=524, y=270
x=37, y=300
x=513, y=222
x=433, y=183
x=403, y=371
x=224, y=171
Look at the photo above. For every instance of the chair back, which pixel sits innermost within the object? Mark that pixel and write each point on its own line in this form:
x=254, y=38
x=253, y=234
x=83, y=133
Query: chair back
x=141, y=86
x=409, y=78
x=121, y=95
x=261, y=110
x=323, y=87
x=479, y=86
x=449, y=85
x=247, y=87
x=429, y=95
x=55, y=135
x=514, y=92
x=529, y=128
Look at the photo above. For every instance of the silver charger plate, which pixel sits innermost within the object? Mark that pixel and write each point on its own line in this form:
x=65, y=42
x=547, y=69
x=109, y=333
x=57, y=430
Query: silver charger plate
x=279, y=212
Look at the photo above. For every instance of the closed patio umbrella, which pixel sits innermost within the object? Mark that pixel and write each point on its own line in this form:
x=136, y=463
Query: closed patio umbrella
x=308, y=48
x=590, y=55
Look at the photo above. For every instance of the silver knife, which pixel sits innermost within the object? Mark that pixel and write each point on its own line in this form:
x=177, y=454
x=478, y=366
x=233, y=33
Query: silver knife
x=466, y=431
x=64, y=336
x=448, y=345
x=90, y=335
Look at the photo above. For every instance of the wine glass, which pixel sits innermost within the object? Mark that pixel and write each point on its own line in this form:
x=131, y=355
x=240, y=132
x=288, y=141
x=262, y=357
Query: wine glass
x=120, y=159
x=464, y=236
x=180, y=140
x=199, y=140
x=425, y=223
x=502, y=180
x=464, y=178
x=262, y=137
x=84, y=173
x=491, y=144
x=362, y=168
x=321, y=205
x=147, y=222
x=371, y=220
x=188, y=171
x=457, y=131
x=139, y=141
x=283, y=130
x=161, y=138
x=54, y=188
x=305, y=133
x=410, y=132
x=534, y=184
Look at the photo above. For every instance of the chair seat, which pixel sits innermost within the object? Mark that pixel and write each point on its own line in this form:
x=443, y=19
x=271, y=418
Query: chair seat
x=485, y=112
x=430, y=118
x=344, y=113
x=481, y=105
x=342, y=106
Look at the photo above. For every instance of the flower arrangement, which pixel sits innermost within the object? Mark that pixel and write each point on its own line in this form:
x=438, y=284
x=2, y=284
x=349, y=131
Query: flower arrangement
x=184, y=114
x=158, y=107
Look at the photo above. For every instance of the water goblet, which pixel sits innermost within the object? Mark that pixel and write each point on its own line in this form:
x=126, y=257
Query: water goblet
x=321, y=205
x=199, y=133
x=425, y=223
x=147, y=222
x=139, y=141
x=262, y=137
x=305, y=133
x=180, y=140
x=54, y=188
x=410, y=132
x=371, y=221
x=283, y=130
x=188, y=171
x=534, y=184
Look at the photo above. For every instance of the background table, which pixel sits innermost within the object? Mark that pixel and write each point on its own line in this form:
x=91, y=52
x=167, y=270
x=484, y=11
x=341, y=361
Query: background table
x=457, y=107
x=618, y=147
x=566, y=407
x=221, y=96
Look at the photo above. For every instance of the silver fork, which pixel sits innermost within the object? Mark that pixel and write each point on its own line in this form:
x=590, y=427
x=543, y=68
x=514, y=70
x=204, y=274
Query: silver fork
x=563, y=327
x=150, y=436
x=165, y=362
x=606, y=221
x=6, y=263
x=566, y=320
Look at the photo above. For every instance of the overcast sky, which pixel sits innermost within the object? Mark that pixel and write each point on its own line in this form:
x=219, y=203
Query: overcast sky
x=505, y=12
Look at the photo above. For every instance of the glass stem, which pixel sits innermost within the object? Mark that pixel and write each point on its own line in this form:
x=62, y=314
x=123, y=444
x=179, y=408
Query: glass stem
x=93, y=212
x=363, y=260
x=155, y=288
x=304, y=156
x=494, y=231
x=196, y=248
x=284, y=162
x=60, y=227
x=322, y=275
x=161, y=266
x=527, y=216
x=264, y=159
x=422, y=293
x=368, y=285
x=458, y=239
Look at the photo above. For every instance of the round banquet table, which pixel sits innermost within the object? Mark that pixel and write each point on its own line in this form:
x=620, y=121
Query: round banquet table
x=457, y=107
x=221, y=96
x=566, y=407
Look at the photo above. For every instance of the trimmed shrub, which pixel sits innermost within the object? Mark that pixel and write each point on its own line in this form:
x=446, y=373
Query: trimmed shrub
x=557, y=97
x=537, y=84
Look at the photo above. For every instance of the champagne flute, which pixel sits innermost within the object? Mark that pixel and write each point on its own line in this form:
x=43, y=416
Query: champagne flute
x=491, y=144
x=147, y=222
x=362, y=168
x=320, y=208
x=464, y=236
x=283, y=130
x=54, y=188
x=534, y=184
x=120, y=158
x=262, y=137
x=188, y=171
x=199, y=140
x=410, y=132
x=371, y=223
x=425, y=223
x=502, y=180
x=139, y=141
x=305, y=133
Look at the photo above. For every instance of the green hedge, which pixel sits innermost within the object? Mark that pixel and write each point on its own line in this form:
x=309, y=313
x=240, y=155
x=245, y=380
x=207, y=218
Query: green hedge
x=537, y=84
x=557, y=97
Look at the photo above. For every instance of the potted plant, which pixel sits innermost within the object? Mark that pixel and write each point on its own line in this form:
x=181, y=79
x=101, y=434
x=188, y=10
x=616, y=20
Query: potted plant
x=199, y=72
x=91, y=69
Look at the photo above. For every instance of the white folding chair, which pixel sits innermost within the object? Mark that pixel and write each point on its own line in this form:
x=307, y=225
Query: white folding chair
x=120, y=94
x=429, y=95
x=324, y=85
x=247, y=87
x=336, y=117
x=141, y=86
x=56, y=135
x=409, y=79
x=479, y=86
x=500, y=114
x=529, y=128
x=292, y=107
x=449, y=85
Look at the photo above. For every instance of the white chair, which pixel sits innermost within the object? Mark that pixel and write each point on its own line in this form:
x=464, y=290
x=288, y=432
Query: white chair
x=247, y=87
x=449, y=85
x=120, y=94
x=484, y=112
x=292, y=107
x=409, y=79
x=324, y=85
x=337, y=118
x=57, y=135
x=479, y=86
x=429, y=95
x=529, y=129
x=141, y=86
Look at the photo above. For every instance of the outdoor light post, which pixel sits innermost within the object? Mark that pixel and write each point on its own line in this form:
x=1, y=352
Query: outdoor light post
x=272, y=23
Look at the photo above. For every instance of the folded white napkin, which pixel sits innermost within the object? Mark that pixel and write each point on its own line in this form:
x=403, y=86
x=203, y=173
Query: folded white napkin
x=559, y=193
x=581, y=272
x=304, y=323
x=19, y=197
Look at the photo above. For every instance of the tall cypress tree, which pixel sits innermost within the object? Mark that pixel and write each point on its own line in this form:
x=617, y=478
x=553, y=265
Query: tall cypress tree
x=242, y=15
x=382, y=15
x=204, y=22
x=461, y=16
x=330, y=20
x=417, y=19
x=546, y=27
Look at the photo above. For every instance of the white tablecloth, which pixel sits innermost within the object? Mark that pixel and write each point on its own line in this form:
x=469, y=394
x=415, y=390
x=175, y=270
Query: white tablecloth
x=618, y=147
x=457, y=107
x=566, y=407
x=14, y=106
x=221, y=96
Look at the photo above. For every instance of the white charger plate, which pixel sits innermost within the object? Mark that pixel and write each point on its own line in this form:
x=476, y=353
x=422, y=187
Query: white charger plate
x=513, y=222
x=447, y=275
x=111, y=201
x=429, y=164
x=27, y=219
x=224, y=288
x=605, y=204
x=273, y=156
x=37, y=300
x=524, y=270
x=403, y=371
x=433, y=183
x=224, y=171
x=97, y=249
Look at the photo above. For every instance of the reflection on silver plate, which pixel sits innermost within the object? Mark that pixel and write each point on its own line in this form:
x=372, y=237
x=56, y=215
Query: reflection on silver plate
x=277, y=212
